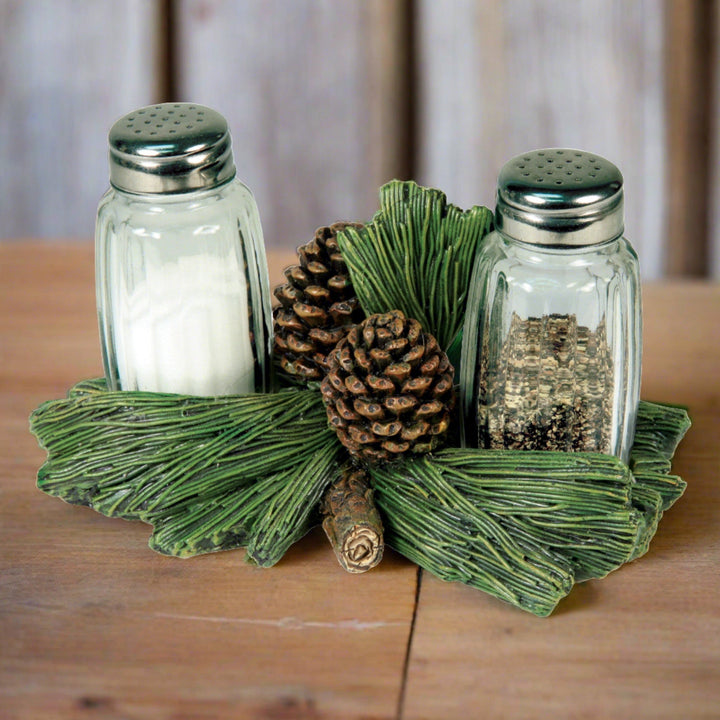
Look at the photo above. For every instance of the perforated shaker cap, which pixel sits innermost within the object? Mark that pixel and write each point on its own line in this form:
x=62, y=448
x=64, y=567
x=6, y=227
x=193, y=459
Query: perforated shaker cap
x=170, y=148
x=560, y=197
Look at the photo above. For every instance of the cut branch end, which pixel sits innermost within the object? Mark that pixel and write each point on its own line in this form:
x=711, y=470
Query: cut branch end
x=352, y=522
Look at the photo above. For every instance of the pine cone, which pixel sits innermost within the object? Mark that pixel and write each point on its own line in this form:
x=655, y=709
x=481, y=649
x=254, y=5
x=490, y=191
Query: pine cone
x=317, y=306
x=389, y=389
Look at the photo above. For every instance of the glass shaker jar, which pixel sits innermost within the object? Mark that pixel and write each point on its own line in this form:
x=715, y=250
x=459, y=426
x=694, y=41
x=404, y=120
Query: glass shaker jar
x=552, y=338
x=181, y=276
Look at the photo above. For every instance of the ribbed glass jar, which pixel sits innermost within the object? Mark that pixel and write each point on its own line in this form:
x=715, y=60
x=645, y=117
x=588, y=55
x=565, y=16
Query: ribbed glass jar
x=181, y=276
x=552, y=340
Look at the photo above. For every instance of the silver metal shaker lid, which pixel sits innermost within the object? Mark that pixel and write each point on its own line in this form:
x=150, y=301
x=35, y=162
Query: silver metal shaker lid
x=170, y=148
x=560, y=197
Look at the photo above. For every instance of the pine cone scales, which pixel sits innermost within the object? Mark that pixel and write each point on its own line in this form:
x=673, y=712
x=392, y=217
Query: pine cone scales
x=317, y=306
x=389, y=389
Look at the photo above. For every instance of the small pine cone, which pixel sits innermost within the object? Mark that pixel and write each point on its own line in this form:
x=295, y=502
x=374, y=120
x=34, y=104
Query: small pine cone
x=317, y=306
x=389, y=389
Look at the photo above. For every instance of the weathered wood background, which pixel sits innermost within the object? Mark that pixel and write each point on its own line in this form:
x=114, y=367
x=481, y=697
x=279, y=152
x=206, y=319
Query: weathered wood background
x=328, y=99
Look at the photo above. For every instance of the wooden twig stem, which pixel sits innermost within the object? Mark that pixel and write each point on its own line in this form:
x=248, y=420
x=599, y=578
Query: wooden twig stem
x=352, y=522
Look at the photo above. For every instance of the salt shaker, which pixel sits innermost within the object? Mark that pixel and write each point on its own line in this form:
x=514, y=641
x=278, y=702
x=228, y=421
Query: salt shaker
x=181, y=276
x=552, y=340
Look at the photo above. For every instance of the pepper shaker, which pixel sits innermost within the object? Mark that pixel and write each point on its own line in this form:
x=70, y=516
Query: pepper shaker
x=552, y=340
x=181, y=276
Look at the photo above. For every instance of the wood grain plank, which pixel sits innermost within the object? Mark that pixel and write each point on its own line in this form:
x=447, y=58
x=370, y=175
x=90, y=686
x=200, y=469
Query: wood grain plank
x=642, y=643
x=314, y=95
x=714, y=214
x=497, y=79
x=681, y=345
x=689, y=74
x=68, y=70
x=95, y=624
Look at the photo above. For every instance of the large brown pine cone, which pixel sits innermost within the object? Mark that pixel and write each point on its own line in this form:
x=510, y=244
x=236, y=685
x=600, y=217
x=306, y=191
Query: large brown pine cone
x=317, y=306
x=389, y=389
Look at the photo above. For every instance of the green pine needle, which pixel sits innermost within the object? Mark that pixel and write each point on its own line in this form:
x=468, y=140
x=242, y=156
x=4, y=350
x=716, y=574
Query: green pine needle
x=154, y=456
x=416, y=256
x=659, y=430
x=434, y=523
x=569, y=516
x=249, y=471
x=649, y=505
x=546, y=512
x=291, y=512
x=266, y=516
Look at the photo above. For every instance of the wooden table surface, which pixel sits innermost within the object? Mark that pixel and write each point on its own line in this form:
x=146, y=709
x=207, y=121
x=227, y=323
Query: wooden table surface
x=95, y=625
